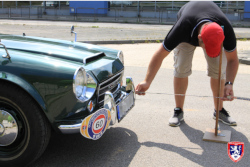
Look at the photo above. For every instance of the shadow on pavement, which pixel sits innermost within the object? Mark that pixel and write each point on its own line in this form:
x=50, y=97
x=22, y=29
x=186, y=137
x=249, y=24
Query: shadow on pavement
x=213, y=154
x=117, y=147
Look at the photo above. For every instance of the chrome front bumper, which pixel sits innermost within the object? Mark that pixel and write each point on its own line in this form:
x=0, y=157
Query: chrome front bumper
x=118, y=108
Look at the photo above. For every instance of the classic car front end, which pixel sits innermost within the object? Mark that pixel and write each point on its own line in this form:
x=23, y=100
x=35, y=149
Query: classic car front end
x=54, y=83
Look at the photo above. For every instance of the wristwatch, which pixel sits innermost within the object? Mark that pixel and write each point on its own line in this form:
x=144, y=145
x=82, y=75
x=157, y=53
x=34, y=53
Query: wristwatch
x=228, y=83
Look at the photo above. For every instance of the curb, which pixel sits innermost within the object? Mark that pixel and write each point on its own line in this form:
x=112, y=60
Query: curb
x=134, y=41
x=244, y=60
x=123, y=41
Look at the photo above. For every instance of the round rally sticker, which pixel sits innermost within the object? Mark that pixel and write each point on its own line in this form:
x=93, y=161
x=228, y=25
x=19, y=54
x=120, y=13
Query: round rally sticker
x=94, y=126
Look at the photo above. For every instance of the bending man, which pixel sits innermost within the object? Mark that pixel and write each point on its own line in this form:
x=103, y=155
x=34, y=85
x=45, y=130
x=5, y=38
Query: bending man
x=199, y=24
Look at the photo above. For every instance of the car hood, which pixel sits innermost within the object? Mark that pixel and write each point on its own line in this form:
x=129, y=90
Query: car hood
x=73, y=52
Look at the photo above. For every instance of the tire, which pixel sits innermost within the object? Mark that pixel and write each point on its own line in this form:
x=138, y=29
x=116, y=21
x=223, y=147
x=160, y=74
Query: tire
x=33, y=128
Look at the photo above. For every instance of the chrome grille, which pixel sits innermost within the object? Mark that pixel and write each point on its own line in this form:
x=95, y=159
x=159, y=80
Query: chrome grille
x=112, y=85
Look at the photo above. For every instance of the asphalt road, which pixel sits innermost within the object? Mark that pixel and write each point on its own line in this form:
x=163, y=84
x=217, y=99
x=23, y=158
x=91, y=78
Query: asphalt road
x=143, y=137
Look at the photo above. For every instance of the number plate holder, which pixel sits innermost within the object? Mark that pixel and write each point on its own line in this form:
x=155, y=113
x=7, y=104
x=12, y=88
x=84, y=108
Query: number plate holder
x=125, y=105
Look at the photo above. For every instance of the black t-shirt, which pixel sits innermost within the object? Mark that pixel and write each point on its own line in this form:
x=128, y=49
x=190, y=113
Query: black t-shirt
x=190, y=16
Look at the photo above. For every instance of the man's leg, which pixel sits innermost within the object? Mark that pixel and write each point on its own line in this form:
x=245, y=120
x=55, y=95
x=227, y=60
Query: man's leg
x=180, y=87
x=183, y=56
x=213, y=69
x=223, y=114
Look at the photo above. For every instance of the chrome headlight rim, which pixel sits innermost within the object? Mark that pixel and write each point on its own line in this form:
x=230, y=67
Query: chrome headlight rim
x=84, y=87
x=121, y=56
x=79, y=82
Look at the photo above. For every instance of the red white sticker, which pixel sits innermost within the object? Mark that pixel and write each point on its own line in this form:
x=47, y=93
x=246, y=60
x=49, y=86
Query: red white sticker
x=94, y=126
x=98, y=124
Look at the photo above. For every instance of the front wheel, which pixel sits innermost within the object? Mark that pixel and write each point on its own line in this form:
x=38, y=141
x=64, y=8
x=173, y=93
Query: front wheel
x=24, y=130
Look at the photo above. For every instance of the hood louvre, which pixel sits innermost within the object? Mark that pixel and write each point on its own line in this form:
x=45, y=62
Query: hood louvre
x=93, y=58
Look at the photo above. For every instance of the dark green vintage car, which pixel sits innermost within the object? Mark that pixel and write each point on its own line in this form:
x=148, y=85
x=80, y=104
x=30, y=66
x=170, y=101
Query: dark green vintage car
x=54, y=85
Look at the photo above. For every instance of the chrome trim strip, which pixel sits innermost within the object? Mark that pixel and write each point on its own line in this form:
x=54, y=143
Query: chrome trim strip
x=70, y=129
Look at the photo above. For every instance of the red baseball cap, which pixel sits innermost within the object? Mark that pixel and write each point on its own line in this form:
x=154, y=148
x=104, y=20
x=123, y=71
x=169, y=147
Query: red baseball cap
x=212, y=36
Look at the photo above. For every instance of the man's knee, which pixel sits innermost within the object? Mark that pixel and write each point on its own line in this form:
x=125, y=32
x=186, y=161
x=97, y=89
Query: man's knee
x=182, y=74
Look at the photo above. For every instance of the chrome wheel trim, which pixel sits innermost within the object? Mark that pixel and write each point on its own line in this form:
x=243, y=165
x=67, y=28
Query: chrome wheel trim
x=21, y=142
x=8, y=128
x=2, y=130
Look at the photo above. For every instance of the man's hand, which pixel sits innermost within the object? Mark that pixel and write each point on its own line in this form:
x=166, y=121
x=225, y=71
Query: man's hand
x=228, y=93
x=232, y=68
x=141, y=88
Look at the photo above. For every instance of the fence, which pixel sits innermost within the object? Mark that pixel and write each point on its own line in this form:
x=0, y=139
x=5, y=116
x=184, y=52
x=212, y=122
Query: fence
x=135, y=14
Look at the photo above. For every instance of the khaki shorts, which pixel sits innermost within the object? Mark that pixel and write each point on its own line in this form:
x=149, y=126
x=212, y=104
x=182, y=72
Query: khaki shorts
x=183, y=56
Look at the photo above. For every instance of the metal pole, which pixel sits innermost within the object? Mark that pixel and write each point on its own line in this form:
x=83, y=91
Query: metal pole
x=138, y=11
x=115, y=15
x=155, y=8
x=122, y=8
x=219, y=94
x=44, y=6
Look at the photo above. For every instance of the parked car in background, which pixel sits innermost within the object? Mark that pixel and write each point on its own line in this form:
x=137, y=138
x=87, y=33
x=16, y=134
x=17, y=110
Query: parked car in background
x=121, y=3
x=61, y=86
x=51, y=3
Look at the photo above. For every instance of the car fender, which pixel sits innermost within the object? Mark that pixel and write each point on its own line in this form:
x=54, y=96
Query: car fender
x=16, y=80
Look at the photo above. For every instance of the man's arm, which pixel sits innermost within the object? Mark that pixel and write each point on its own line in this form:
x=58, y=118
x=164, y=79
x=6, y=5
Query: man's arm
x=231, y=71
x=154, y=65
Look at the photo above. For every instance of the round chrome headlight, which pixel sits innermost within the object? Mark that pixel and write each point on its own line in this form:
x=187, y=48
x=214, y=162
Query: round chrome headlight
x=120, y=56
x=84, y=85
x=80, y=83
